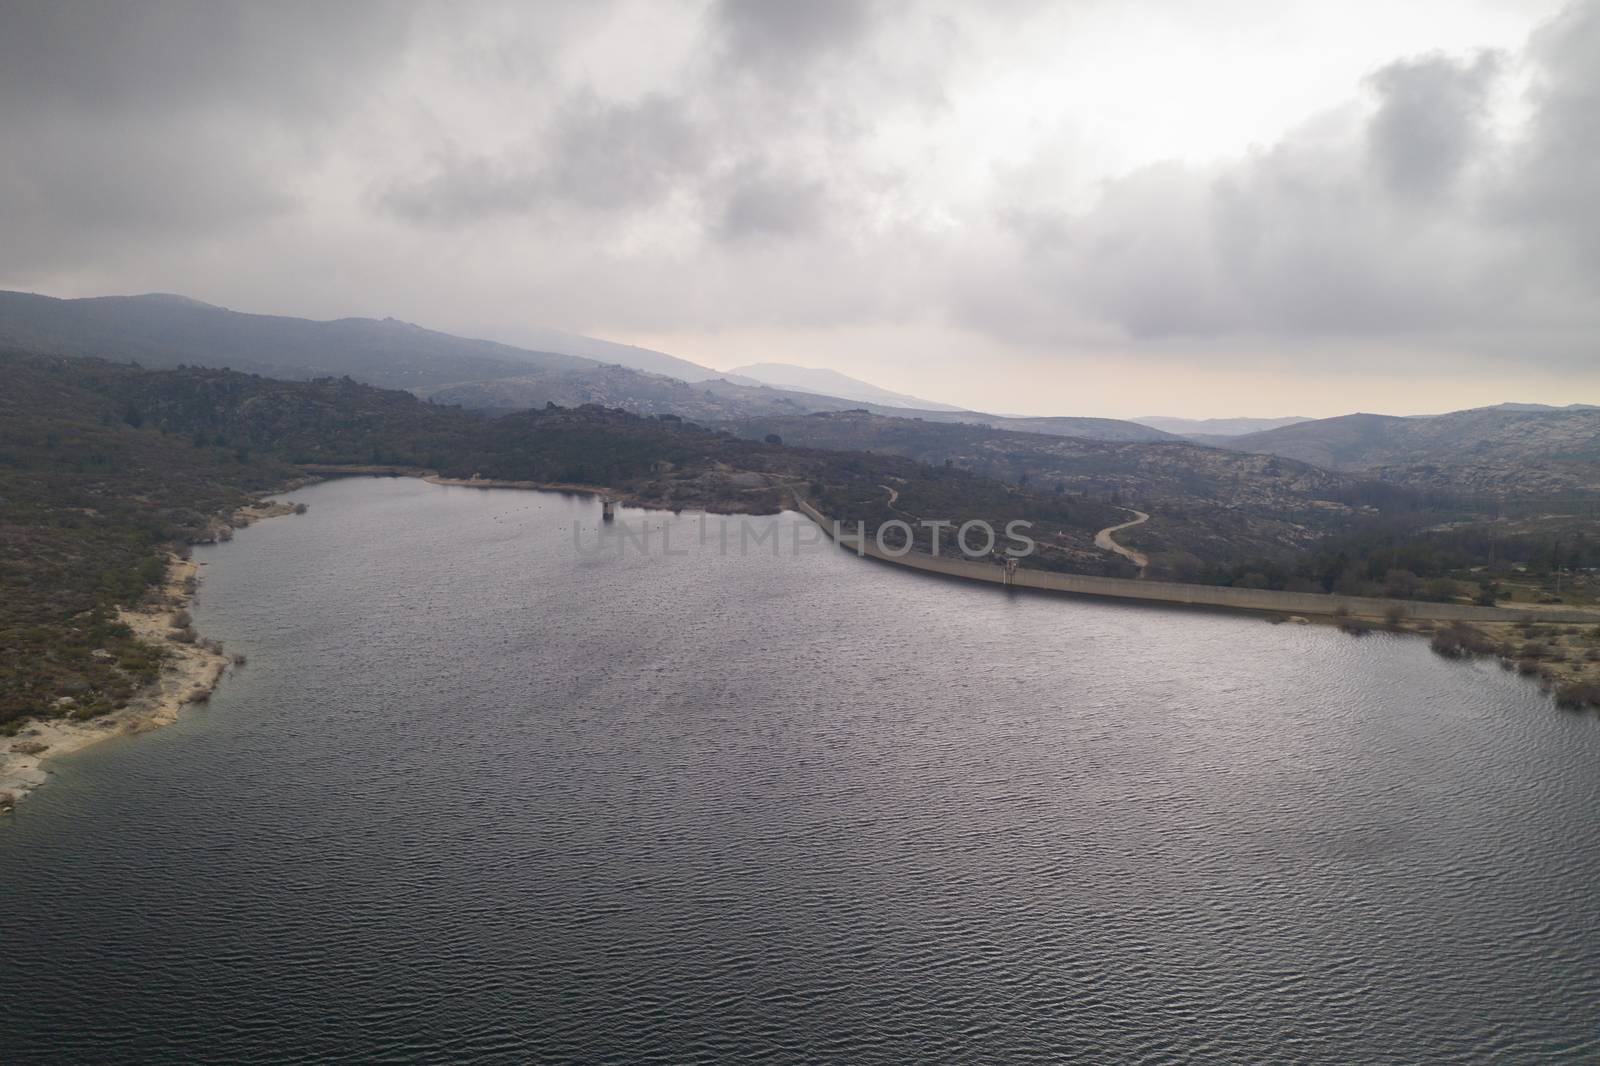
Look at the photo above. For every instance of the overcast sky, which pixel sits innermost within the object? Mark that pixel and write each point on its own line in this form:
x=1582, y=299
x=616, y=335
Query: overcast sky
x=1117, y=207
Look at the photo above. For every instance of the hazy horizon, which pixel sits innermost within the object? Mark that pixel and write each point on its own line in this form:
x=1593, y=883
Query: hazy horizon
x=1113, y=210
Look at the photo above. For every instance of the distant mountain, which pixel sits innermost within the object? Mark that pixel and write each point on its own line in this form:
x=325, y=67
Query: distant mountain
x=828, y=383
x=1216, y=427
x=1539, y=407
x=1107, y=429
x=1490, y=450
x=164, y=330
x=632, y=390
x=628, y=355
x=161, y=330
x=1110, y=429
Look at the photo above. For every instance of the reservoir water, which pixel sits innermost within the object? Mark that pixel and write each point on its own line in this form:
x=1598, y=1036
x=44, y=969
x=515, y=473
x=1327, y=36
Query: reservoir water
x=482, y=796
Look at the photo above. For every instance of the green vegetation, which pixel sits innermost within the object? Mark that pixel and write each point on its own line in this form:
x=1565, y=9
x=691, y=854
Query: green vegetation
x=1549, y=559
x=92, y=495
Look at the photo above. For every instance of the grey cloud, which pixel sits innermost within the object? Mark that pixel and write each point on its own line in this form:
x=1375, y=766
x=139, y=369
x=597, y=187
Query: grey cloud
x=1407, y=218
x=123, y=59
x=1430, y=120
x=744, y=186
x=761, y=201
x=1558, y=164
x=126, y=122
x=608, y=156
x=780, y=40
x=596, y=156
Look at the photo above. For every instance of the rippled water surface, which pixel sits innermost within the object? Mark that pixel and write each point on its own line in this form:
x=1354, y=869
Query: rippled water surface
x=480, y=797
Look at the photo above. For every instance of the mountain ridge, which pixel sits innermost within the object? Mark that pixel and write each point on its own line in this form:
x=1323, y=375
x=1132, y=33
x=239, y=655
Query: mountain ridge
x=823, y=381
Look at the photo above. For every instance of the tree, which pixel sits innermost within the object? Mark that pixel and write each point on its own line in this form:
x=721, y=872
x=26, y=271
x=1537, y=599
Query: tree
x=1401, y=584
x=1442, y=589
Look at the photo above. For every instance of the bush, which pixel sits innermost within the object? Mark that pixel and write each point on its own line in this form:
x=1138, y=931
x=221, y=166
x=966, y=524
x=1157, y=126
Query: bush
x=1442, y=589
x=1576, y=695
x=1401, y=584
x=1461, y=641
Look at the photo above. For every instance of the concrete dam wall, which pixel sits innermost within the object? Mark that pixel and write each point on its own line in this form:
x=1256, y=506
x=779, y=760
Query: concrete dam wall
x=1317, y=603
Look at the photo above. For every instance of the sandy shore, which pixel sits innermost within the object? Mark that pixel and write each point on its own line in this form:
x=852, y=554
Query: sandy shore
x=189, y=674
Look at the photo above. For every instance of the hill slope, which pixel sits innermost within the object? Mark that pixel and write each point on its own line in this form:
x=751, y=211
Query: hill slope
x=161, y=330
x=164, y=331
x=830, y=383
x=1487, y=451
x=1216, y=427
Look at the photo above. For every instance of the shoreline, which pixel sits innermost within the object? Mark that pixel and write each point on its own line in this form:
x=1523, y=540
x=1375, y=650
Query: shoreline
x=1557, y=648
x=1332, y=606
x=623, y=497
x=190, y=673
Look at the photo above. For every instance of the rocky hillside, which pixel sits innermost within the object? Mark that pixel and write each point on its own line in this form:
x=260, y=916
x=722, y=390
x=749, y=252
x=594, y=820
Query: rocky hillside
x=1207, y=503
x=1497, y=453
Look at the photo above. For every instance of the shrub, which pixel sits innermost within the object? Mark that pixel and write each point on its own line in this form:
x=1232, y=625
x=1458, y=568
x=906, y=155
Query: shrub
x=1576, y=695
x=1461, y=641
x=8, y=800
x=182, y=619
x=1441, y=588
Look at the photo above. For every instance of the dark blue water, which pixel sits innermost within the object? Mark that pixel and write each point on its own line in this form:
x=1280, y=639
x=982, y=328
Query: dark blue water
x=480, y=798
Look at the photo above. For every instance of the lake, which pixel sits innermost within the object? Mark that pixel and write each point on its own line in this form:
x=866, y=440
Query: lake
x=487, y=792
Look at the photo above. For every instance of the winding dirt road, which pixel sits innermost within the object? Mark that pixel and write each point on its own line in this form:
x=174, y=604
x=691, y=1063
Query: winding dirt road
x=1103, y=541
